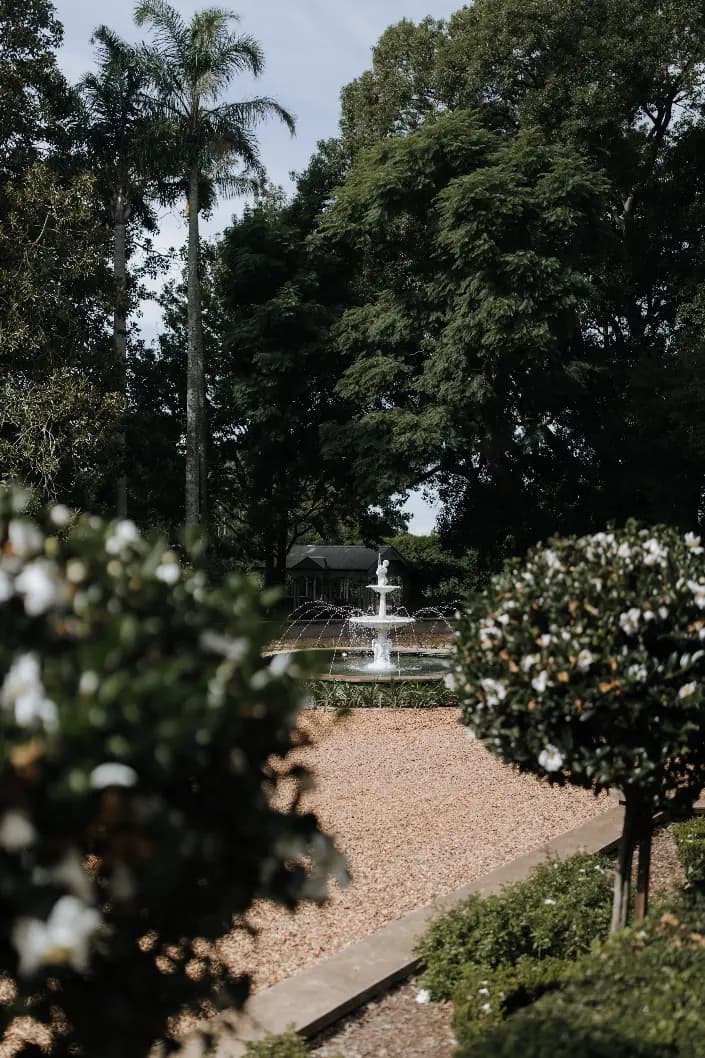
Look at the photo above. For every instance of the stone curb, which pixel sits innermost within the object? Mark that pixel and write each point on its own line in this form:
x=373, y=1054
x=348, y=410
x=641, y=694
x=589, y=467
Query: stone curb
x=318, y=996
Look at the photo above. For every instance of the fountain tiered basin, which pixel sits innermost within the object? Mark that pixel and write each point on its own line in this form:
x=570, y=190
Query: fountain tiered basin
x=357, y=647
x=382, y=624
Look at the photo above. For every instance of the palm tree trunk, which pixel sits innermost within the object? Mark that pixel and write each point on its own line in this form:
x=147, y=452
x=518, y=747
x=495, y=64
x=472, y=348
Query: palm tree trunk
x=196, y=454
x=120, y=338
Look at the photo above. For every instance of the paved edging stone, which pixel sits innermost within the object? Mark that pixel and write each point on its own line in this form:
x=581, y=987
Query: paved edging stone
x=320, y=995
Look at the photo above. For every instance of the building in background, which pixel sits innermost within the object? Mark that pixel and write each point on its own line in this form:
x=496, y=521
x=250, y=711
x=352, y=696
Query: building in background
x=339, y=574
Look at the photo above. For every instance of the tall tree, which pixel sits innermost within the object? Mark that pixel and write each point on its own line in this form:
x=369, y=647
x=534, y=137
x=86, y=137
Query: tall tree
x=35, y=103
x=630, y=104
x=56, y=405
x=191, y=65
x=127, y=158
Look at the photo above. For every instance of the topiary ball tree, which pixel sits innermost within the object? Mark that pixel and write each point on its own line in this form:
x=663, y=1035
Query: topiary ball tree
x=142, y=735
x=584, y=663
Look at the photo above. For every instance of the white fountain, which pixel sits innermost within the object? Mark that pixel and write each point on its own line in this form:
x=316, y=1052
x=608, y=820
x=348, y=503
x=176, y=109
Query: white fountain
x=381, y=623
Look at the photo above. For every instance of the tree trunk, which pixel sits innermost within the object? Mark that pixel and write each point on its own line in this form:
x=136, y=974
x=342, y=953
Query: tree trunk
x=196, y=454
x=644, y=868
x=120, y=338
x=636, y=833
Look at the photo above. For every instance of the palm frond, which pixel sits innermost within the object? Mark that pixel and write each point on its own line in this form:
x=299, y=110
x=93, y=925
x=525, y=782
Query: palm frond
x=235, y=185
x=249, y=113
x=169, y=30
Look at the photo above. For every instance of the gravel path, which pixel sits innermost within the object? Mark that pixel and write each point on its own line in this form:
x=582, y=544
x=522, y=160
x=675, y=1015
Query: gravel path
x=419, y=809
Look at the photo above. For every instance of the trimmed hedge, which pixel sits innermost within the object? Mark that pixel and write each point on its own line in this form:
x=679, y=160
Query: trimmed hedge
x=556, y=912
x=690, y=843
x=639, y=996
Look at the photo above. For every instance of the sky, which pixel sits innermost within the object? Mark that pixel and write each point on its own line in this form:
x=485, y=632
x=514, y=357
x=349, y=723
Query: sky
x=312, y=49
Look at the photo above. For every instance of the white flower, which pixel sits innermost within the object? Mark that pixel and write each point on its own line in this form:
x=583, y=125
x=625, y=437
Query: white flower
x=494, y=691
x=663, y=612
x=483, y=991
x=75, y=571
x=549, y=901
x=112, y=773
x=687, y=689
x=693, y=543
x=40, y=586
x=215, y=643
x=503, y=618
x=637, y=672
x=63, y=939
x=654, y=553
x=540, y=682
x=649, y=615
x=698, y=591
x=528, y=662
x=168, y=570
x=23, y=691
x=624, y=550
x=280, y=664
x=629, y=621
x=16, y=831
x=121, y=536
x=488, y=631
x=423, y=996
x=6, y=588
x=25, y=537
x=545, y=640
x=88, y=683
x=584, y=660
x=60, y=515
x=486, y=1008
x=552, y=560
x=551, y=759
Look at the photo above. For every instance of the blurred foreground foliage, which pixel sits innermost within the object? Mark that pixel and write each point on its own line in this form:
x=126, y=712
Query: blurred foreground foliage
x=142, y=736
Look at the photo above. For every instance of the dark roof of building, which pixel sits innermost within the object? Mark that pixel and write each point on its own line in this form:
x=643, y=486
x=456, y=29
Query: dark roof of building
x=339, y=557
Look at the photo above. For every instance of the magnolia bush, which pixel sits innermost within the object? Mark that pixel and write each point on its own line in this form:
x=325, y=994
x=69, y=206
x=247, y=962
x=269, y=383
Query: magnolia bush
x=584, y=663
x=142, y=738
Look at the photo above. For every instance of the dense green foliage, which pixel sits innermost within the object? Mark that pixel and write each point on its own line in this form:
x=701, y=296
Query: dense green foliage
x=589, y=434
x=286, y=1045
x=437, y=575
x=485, y=997
x=457, y=377
x=140, y=727
x=690, y=843
x=638, y=996
x=555, y=913
x=583, y=663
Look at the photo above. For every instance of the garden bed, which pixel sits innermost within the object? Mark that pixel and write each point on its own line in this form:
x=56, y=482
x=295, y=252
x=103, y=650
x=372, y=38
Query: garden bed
x=419, y=809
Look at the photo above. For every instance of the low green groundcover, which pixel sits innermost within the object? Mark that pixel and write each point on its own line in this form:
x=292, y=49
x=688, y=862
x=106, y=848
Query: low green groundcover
x=396, y=694
x=286, y=1045
x=554, y=913
x=640, y=995
x=690, y=842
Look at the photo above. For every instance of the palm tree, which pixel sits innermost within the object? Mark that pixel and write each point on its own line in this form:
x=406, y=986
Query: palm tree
x=190, y=66
x=121, y=134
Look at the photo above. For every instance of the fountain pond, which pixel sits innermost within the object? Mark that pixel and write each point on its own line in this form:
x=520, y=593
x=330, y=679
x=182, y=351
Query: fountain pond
x=383, y=646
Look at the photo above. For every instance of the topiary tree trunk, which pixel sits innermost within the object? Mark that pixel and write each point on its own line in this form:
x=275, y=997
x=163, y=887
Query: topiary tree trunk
x=637, y=831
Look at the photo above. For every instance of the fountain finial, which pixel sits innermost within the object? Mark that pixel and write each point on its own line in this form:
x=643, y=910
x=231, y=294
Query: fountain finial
x=382, y=568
